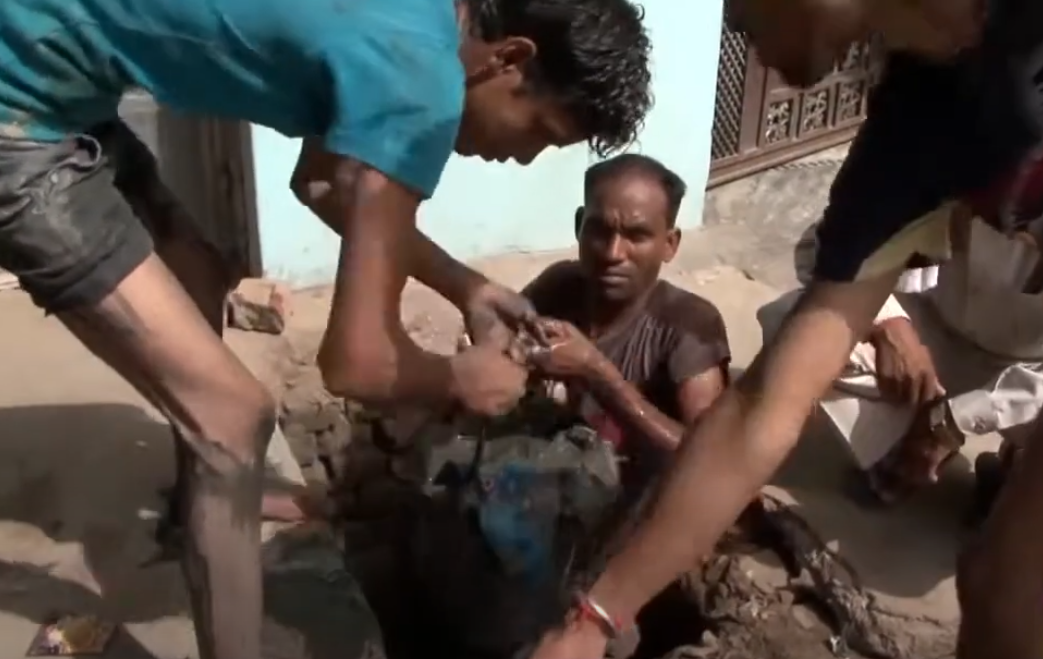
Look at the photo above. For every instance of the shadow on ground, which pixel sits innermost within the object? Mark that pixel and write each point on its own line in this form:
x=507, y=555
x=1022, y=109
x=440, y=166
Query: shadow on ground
x=905, y=551
x=31, y=592
x=79, y=492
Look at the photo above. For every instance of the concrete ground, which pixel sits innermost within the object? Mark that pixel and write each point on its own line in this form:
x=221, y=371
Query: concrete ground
x=82, y=457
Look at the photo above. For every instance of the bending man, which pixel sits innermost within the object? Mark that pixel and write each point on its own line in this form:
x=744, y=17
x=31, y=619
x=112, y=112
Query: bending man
x=384, y=92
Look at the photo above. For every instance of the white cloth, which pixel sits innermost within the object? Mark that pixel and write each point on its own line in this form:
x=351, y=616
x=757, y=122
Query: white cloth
x=983, y=331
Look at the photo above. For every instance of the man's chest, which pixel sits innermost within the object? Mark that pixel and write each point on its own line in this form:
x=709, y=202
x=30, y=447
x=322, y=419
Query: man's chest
x=641, y=357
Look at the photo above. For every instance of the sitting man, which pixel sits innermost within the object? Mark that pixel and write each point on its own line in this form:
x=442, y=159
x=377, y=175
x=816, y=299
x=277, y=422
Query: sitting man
x=641, y=358
x=957, y=350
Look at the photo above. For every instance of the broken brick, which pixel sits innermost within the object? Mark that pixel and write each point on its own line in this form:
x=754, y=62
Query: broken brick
x=259, y=305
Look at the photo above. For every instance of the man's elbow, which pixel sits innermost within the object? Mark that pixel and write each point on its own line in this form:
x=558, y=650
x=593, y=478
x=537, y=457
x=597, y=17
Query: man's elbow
x=363, y=374
x=307, y=191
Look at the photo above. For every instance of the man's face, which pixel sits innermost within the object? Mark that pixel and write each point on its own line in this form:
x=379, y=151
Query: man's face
x=505, y=117
x=625, y=236
x=801, y=39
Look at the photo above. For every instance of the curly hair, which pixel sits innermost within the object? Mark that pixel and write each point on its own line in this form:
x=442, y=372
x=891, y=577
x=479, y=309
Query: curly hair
x=593, y=55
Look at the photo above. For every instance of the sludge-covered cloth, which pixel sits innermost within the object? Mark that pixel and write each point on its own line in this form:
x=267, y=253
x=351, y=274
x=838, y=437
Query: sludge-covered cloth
x=314, y=608
x=507, y=533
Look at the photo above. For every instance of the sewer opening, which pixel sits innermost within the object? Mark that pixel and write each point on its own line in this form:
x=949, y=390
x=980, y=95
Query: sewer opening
x=718, y=611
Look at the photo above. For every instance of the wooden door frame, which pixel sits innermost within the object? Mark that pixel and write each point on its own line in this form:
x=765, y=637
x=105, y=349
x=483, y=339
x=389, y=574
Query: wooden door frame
x=224, y=187
x=229, y=165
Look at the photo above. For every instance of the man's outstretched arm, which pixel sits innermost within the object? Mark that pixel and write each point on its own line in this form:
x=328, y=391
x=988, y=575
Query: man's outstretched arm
x=741, y=442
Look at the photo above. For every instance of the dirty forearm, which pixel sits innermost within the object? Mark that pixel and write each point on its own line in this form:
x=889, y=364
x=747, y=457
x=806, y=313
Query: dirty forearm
x=625, y=402
x=739, y=443
x=719, y=468
x=433, y=267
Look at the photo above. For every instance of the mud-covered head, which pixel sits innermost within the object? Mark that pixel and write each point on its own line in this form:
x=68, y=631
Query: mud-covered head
x=552, y=73
x=802, y=39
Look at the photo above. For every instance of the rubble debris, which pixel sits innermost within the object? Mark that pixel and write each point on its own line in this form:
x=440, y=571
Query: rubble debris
x=820, y=611
x=71, y=636
x=320, y=427
x=834, y=582
x=258, y=305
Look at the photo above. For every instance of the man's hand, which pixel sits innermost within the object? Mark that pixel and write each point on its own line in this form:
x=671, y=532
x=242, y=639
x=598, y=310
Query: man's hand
x=567, y=355
x=904, y=369
x=578, y=640
x=919, y=457
x=494, y=313
x=486, y=381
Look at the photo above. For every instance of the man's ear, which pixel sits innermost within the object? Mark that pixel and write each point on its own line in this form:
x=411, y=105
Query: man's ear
x=486, y=61
x=578, y=221
x=515, y=52
x=673, y=241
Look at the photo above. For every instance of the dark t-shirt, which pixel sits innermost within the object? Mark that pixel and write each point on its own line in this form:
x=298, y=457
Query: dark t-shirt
x=676, y=336
x=967, y=130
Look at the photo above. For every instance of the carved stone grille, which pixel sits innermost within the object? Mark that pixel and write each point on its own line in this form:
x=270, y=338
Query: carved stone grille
x=759, y=122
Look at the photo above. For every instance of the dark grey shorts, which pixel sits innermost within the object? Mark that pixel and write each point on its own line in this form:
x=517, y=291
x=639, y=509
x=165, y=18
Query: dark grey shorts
x=69, y=229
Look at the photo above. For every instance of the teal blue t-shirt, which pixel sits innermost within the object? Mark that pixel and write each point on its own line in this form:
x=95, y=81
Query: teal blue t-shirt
x=379, y=81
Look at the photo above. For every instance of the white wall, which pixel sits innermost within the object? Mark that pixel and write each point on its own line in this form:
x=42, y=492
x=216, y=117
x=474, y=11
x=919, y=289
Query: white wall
x=482, y=209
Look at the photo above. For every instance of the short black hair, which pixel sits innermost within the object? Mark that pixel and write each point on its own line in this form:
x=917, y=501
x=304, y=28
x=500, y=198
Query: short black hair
x=627, y=164
x=593, y=54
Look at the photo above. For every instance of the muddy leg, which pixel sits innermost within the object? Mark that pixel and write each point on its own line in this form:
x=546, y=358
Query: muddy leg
x=81, y=253
x=160, y=342
x=208, y=276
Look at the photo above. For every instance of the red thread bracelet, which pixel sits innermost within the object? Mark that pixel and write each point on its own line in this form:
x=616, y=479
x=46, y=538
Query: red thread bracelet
x=592, y=611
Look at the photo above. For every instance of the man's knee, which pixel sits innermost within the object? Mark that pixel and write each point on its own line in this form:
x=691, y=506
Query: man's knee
x=998, y=587
x=237, y=435
x=990, y=626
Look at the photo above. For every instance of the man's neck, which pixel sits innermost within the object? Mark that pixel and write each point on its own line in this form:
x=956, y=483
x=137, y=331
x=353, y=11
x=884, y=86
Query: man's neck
x=605, y=316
